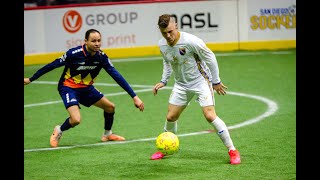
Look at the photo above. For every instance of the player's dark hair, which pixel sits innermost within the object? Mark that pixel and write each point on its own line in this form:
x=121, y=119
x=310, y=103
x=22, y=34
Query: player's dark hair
x=89, y=32
x=164, y=20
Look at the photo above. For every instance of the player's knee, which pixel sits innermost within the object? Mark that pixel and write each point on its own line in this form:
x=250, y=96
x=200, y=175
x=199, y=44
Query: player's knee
x=210, y=117
x=172, y=118
x=75, y=121
x=110, y=108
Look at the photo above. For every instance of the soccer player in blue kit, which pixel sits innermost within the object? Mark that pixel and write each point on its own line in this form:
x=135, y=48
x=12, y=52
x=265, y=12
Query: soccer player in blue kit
x=82, y=65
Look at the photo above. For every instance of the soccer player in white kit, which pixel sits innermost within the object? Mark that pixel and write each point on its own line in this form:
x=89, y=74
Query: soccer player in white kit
x=196, y=73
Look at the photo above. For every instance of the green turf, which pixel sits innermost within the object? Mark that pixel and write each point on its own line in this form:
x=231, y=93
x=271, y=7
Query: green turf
x=267, y=147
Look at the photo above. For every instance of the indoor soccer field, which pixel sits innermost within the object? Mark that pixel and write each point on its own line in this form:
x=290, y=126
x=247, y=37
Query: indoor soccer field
x=259, y=109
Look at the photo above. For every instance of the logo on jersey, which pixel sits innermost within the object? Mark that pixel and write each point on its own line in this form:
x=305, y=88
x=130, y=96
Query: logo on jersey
x=86, y=67
x=182, y=51
x=72, y=21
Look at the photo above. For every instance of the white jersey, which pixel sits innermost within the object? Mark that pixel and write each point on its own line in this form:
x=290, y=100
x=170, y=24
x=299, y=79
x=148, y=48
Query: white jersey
x=189, y=59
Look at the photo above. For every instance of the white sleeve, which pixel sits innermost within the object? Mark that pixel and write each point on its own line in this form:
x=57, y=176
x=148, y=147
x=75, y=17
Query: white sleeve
x=206, y=55
x=167, y=70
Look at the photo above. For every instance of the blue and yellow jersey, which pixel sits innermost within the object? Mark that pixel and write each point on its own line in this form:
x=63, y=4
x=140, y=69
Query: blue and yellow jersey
x=81, y=69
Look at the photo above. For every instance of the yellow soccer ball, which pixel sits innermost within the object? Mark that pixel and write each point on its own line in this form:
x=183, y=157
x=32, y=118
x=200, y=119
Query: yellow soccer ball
x=167, y=143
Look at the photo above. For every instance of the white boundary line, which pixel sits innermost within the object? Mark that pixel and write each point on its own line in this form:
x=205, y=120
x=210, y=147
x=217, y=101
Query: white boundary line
x=272, y=108
x=216, y=54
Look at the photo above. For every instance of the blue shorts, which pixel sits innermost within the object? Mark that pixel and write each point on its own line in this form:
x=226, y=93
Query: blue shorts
x=85, y=96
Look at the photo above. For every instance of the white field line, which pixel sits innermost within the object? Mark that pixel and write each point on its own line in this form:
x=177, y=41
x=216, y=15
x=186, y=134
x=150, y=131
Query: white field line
x=217, y=54
x=156, y=58
x=148, y=88
x=272, y=108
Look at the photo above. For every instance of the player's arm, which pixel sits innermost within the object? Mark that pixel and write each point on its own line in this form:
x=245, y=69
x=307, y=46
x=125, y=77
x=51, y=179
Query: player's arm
x=206, y=55
x=166, y=73
x=120, y=80
x=47, y=68
x=116, y=76
x=125, y=85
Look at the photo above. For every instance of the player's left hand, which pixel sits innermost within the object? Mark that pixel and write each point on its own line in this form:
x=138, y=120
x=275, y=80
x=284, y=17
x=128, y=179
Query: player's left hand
x=220, y=88
x=138, y=103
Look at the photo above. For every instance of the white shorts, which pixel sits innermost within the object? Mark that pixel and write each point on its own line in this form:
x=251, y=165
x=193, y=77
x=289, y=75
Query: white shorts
x=203, y=91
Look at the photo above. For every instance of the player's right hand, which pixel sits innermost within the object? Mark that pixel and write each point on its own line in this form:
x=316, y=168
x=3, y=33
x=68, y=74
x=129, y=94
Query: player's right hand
x=157, y=87
x=26, y=81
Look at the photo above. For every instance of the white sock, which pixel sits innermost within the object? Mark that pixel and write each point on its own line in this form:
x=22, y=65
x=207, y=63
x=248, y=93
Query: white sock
x=59, y=129
x=171, y=126
x=107, y=132
x=223, y=133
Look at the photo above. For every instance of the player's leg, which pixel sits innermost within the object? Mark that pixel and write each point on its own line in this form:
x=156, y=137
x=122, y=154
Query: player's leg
x=204, y=91
x=108, y=113
x=223, y=133
x=69, y=97
x=219, y=125
x=178, y=101
x=170, y=125
x=174, y=112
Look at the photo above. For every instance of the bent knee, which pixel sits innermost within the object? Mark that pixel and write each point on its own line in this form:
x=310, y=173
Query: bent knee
x=75, y=121
x=172, y=118
x=110, y=108
x=210, y=118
